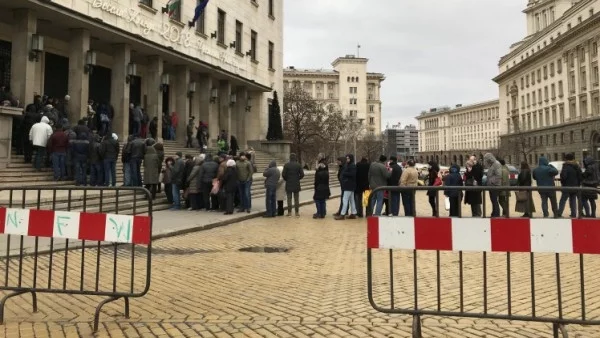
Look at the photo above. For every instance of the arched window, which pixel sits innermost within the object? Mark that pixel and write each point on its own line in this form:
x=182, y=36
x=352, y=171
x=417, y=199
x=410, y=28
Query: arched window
x=348, y=78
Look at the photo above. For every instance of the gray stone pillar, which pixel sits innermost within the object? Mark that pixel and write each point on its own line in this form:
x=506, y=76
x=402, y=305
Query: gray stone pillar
x=208, y=110
x=240, y=118
x=78, y=80
x=119, y=90
x=155, y=95
x=252, y=121
x=22, y=70
x=224, y=107
x=182, y=104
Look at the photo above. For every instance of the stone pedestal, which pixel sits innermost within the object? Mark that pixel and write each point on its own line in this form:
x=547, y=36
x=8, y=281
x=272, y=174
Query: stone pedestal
x=120, y=90
x=155, y=96
x=6, y=122
x=23, y=70
x=79, y=82
x=279, y=149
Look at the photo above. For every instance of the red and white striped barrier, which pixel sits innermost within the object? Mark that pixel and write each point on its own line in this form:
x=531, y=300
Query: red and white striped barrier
x=579, y=236
x=76, y=225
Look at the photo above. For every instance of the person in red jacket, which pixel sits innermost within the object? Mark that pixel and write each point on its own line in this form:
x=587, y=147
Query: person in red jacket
x=57, y=147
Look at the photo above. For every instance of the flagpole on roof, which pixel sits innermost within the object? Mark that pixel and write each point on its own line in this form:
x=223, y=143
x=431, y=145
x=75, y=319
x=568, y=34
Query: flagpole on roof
x=358, y=50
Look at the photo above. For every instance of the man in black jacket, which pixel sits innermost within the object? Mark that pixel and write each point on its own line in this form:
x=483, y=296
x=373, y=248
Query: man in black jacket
x=570, y=176
x=362, y=184
x=394, y=181
x=110, y=154
x=136, y=150
x=348, y=186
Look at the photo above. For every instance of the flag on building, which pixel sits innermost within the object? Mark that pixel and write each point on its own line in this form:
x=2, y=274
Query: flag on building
x=171, y=7
x=199, y=9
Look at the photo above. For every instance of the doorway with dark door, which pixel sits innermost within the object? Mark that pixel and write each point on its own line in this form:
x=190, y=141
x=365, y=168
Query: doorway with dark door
x=596, y=145
x=5, y=52
x=100, y=84
x=135, y=90
x=56, y=76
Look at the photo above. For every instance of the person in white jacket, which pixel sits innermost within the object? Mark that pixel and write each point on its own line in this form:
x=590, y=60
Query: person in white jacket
x=39, y=135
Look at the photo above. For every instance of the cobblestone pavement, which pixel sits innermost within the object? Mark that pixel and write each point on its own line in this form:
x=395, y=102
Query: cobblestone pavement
x=203, y=286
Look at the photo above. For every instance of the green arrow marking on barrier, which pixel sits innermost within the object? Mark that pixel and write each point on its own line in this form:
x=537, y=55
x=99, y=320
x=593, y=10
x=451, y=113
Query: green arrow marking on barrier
x=12, y=219
x=119, y=228
x=60, y=224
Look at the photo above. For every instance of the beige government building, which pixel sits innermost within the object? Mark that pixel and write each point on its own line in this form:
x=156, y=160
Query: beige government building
x=222, y=71
x=549, y=83
x=348, y=86
x=449, y=135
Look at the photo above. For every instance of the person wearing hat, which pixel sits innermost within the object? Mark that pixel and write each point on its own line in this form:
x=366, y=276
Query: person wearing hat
x=230, y=184
x=177, y=180
x=110, y=153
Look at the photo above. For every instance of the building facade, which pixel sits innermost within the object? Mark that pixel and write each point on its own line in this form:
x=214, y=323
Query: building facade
x=222, y=71
x=448, y=135
x=549, y=83
x=348, y=86
x=402, y=142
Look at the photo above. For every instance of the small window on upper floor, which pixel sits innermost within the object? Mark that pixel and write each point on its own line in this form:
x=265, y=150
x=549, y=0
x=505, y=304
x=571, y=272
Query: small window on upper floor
x=271, y=9
x=579, y=19
x=591, y=11
x=568, y=26
x=146, y=2
x=348, y=79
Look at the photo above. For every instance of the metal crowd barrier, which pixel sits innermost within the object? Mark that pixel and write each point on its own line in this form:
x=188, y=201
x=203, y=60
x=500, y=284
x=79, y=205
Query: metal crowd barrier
x=480, y=252
x=75, y=241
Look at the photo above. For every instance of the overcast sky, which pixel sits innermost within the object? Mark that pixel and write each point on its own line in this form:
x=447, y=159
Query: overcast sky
x=432, y=52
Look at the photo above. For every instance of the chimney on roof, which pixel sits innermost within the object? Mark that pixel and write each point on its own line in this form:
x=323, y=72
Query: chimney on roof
x=459, y=105
x=292, y=67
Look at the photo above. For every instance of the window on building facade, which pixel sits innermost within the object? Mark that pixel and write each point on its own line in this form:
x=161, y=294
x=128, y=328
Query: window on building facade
x=522, y=83
x=554, y=143
x=559, y=66
x=533, y=100
x=546, y=98
x=371, y=108
x=581, y=55
x=239, y=34
x=221, y=27
x=545, y=72
x=571, y=60
x=271, y=56
x=176, y=13
x=572, y=83
x=572, y=110
x=553, y=91
x=537, y=22
x=583, y=79
x=583, y=107
x=146, y=2
x=561, y=113
x=547, y=116
x=271, y=9
x=533, y=78
x=539, y=75
x=540, y=96
x=528, y=100
x=371, y=120
x=596, y=74
x=560, y=89
x=552, y=68
x=522, y=101
x=527, y=81
x=200, y=23
x=594, y=49
x=596, y=105
x=331, y=95
x=253, y=44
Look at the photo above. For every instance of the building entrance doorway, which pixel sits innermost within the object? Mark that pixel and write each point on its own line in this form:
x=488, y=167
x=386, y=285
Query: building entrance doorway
x=100, y=84
x=135, y=90
x=5, y=51
x=596, y=145
x=56, y=76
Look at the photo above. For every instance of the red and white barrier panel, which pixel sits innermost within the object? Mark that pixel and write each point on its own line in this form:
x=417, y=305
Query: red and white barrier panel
x=76, y=225
x=579, y=236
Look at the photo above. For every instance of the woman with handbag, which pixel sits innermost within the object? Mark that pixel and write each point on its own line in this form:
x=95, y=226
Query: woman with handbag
x=524, y=200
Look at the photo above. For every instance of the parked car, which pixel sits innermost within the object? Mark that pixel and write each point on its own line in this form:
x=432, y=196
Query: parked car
x=513, y=175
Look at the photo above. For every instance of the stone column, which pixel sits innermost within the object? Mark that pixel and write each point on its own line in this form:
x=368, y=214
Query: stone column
x=78, y=81
x=208, y=110
x=239, y=119
x=155, y=95
x=224, y=107
x=119, y=89
x=182, y=104
x=252, y=122
x=23, y=70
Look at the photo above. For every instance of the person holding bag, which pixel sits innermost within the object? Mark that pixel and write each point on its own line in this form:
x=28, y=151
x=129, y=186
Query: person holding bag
x=524, y=200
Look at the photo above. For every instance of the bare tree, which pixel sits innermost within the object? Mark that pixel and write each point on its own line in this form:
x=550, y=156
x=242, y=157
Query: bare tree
x=335, y=128
x=518, y=146
x=371, y=147
x=303, y=123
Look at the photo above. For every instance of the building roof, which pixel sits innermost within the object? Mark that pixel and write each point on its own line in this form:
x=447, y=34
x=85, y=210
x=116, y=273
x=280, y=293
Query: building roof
x=457, y=108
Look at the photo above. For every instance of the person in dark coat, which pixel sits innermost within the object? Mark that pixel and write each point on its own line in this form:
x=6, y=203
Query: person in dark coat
x=271, y=175
x=152, y=164
x=341, y=162
x=110, y=154
x=570, y=176
x=591, y=179
x=454, y=180
x=160, y=151
x=394, y=181
x=292, y=174
x=544, y=177
x=348, y=185
x=474, y=178
x=524, y=180
x=233, y=146
x=322, y=192
x=230, y=185
x=362, y=184
x=433, y=180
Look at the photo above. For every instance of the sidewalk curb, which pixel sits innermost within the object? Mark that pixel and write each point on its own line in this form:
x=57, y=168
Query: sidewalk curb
x=223, y=223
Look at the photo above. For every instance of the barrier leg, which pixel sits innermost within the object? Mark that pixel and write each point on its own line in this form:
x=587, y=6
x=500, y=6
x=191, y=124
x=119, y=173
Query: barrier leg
x=3, y=302
x=416, y=327
x=559, y=330
x=126, y=307
x=34, y=299
x=99, y=307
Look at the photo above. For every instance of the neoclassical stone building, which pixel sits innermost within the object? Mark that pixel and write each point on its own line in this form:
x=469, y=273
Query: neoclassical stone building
x=349, y=86
x=549, y=83
x=221, y=71
x=449, y=135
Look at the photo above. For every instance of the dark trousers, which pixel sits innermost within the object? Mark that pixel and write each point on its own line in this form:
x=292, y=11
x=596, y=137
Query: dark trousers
x=280, y=210
x=407, y=201
x=454, y=206
x=58, y=165
x=572, y=198
x=495, y=204
x=589, y=206
x=271, y=201
x=358, y=201
x=321, y=208
x=503, y=200
x=152, y=189
x=433, y=204
x=476, y=210
x=195, y=201
x=169, y=192
x=395, y=203
x=135, y=167
x=110, y=173
x=97, y=174
x=206, y=188
x=81, y=172
x=40, y=157
x=296, y=196
x=229, y=202
x=27, y=149
x=188, y=141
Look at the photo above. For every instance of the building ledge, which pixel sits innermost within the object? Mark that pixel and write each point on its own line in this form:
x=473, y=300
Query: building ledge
x=271, y=17
x=147, y=8
x=202, y=35
x=177, y=23
x=222, y=45
x=240, y=54
x=254, y=61
x=254, y=3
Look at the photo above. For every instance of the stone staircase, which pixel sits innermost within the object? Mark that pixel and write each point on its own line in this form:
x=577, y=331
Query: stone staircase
x=32, y=189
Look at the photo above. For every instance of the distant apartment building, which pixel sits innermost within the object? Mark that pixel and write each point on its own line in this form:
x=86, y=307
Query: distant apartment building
x=448, y=135
x=401, y=142
x=353, y=90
